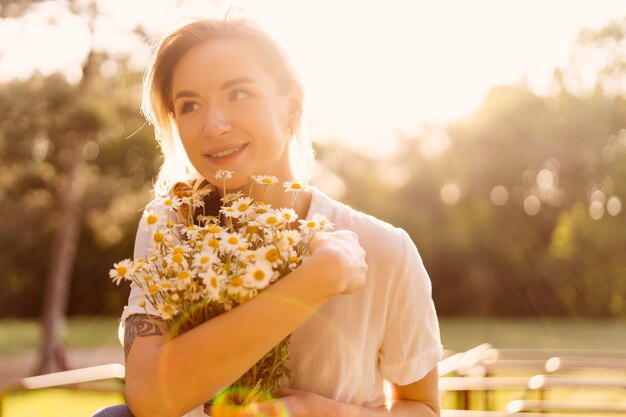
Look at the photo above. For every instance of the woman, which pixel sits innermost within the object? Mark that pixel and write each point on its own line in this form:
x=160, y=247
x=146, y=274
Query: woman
x=222, y=95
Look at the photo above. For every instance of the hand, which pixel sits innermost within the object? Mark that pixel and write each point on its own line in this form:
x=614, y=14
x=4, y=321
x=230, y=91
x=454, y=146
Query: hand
x=293, y=403
x=342, y=259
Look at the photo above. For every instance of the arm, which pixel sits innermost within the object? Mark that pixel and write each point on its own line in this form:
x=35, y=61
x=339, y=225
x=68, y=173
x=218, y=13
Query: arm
x=419, y=399
x=171, y=377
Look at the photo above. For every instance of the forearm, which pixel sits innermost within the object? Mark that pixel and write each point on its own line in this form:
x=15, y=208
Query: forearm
x=399, y=408
x=196, y=365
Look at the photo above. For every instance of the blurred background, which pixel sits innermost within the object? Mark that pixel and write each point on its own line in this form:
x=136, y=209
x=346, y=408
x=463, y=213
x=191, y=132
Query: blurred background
x=494, y=132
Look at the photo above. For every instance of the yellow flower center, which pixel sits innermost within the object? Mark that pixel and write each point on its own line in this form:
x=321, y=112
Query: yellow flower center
x=158, y=237
x=147, y=278
x=296, y=186
x=311, y=224
x=215, y=229
x=233, y=240
x=214, y=282
x=178, y=250
x=183, y=275
x=236, y=281
x=271, y=220
x=259, y=275
x=121, y=270
x=177, y=257
x=153, y=289
x=243, y=207
x=152, y=219
x=293, y=259
x=142, y=303
x=267, y=181
x=168, y=203
x=204, y=260
x=214, y=243
x=271, y=255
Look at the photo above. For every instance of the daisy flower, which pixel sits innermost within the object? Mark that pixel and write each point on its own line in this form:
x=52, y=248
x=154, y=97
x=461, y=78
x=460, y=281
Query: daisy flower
x=212, y=284
x=269, y=219
x=270, y=254
x=314, y=223
x=166, y=311
x=235, y=285
x=293, y=186
x=191, y=232
x=229, y=211
x=289, y=215
x=153, y=219
x=289, y=238
x=172, y=203
x=243, y=206
x=230, y=197
x=204, y=260
x=232, y=241
x=223, y=174
x=258, y=276
x=293, y=260
x=265, y=179
x=121, y=270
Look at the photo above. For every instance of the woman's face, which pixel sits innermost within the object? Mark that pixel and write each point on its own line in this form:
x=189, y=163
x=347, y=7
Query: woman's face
x=230, y=114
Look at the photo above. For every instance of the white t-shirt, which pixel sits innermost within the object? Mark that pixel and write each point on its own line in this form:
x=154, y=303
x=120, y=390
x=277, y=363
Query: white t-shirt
x=387, y=330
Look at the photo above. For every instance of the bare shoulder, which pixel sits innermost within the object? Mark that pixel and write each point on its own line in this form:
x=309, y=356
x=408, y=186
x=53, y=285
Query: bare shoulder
x=142, y=325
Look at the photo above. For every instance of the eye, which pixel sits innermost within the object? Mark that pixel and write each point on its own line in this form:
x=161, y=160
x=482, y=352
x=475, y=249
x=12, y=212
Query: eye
x=189, y=106
x=236, y=95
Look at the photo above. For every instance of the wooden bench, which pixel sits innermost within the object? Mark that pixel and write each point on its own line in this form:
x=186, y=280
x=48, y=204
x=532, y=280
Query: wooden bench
x=575, y=381
x=464, y=386
x=522, y=406
x=85, y=376
x=545, y=354
x=582, y=364
x=478, y=413
x=459, y=362
x=509, y=367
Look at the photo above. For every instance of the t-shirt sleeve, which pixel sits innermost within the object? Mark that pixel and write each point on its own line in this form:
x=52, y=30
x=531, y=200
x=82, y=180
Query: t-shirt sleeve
x=142, y=243
x=411, y=344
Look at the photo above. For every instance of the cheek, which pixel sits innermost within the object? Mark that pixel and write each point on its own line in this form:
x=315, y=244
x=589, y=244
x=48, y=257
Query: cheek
x=188, y=133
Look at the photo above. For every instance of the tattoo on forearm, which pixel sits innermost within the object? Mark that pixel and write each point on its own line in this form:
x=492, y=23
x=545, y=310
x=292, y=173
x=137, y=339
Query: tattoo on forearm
x=139, y=325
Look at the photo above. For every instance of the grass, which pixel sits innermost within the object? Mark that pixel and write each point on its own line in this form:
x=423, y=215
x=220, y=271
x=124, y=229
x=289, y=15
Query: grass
x=19, y=336
x=462, y=333
x=58, y=403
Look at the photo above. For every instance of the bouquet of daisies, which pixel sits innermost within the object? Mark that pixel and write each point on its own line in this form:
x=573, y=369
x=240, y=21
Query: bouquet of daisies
x=203, y=264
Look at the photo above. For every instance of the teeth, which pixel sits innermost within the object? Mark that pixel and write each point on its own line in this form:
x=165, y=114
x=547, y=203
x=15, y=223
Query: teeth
x=226, y=152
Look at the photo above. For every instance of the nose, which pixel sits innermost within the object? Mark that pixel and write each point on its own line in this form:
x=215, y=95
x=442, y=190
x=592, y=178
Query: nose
x=216, y=123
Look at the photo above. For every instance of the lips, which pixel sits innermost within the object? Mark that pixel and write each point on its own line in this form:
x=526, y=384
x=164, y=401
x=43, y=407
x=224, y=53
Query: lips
x=225, y=153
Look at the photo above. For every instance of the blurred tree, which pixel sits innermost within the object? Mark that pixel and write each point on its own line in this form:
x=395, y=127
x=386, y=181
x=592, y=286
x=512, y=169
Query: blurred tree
x=518, y=208
x=71, y=120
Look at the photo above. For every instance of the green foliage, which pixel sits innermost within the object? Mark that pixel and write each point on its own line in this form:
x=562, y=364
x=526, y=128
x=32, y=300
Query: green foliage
x=40, y=121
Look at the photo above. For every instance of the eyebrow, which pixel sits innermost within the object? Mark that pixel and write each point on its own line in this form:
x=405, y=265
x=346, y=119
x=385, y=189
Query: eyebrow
x=225, y=86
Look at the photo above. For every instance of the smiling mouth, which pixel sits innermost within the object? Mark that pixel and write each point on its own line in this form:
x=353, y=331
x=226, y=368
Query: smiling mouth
x=226, y=152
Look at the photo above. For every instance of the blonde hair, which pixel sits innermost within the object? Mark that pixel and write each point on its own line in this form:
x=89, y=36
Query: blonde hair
x=157, y=106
